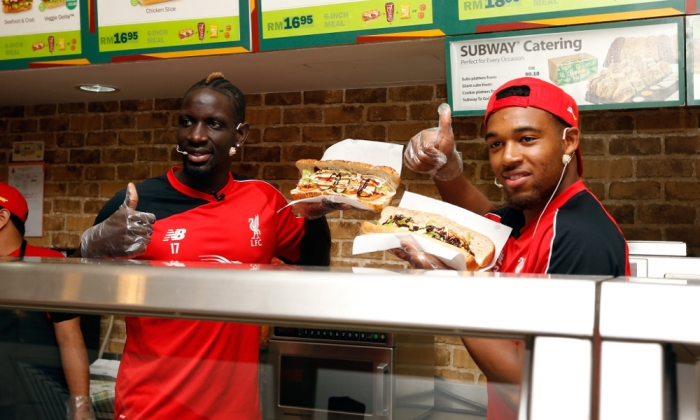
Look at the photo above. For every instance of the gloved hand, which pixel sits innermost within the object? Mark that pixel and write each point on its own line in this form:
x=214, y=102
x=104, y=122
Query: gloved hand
x=311, y=211
x=433, y=151
x=124, y=234
x=80, y=408
x=410, y=252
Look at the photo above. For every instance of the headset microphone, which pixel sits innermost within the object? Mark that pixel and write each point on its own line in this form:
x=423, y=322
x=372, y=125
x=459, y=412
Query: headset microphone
x=177, y=149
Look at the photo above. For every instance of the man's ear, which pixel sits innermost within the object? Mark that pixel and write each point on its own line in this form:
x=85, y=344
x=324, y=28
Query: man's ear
x=571, y=139
x=4, y=218
x=242, y=133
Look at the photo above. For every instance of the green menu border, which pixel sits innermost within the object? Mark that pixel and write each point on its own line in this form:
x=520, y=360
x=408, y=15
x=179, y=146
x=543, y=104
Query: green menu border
x=690, y=60
x=90, y=43
x=679, y=21
x=445, y=19
x=344, y=38
x=453, y=26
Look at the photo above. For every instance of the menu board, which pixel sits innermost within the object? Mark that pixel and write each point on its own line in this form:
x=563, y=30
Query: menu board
x=692, y=51
x=31, y=29
x=474, y=16
x=622, y=65
x=325, y=22
x=183, y=24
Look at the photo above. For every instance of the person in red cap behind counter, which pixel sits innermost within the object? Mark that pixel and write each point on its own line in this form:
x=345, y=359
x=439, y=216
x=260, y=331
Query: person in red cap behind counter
x=13, y=215
x=559, y=227
x=44, y=341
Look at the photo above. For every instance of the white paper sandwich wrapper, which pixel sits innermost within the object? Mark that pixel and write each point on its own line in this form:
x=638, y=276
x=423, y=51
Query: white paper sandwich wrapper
x=497, y=232
x=363, y=151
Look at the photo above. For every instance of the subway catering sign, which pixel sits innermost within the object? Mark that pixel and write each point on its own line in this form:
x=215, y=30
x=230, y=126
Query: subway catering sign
x=508, y=47
x=623, y=65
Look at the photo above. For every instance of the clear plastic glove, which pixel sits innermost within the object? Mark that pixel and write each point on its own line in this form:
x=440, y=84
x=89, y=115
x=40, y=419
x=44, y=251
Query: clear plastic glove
x=410, y=252
x=96, y=261
x=124, y=234
x=80, y=408
x=311, y=211
x=433, y=151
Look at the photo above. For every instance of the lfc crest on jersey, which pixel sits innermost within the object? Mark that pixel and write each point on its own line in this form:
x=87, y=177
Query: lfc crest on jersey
x=254, y=224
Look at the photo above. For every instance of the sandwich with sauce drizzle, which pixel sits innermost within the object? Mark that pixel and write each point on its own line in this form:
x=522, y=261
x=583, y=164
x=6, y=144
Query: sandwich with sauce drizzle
x=373, y=186
x=478, y=249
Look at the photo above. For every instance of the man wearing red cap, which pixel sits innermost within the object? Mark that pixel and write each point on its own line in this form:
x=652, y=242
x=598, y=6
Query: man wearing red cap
x=44, y=341
x=559, y=227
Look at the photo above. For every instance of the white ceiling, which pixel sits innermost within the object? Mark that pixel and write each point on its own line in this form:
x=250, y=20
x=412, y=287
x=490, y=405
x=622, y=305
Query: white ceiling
x=400, y=63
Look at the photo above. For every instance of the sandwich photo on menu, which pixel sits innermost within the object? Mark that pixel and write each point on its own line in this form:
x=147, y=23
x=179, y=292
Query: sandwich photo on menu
x=186, y=33
x=373, y=186
x=48, y=4
x=12, y=6
x=636, y=69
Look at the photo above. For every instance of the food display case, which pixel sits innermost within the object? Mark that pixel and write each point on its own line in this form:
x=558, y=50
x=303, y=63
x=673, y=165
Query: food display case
x=553, y=316
x=662, y=259
x=650, y=348
x=649, y=330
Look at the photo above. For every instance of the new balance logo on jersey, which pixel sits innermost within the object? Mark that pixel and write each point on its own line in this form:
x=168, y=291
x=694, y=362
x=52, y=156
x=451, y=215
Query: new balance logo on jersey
x=175, y=235
x=255, y=228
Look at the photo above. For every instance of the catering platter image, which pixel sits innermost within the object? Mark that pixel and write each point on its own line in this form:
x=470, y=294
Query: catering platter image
x=636, y=69
x=655, y=93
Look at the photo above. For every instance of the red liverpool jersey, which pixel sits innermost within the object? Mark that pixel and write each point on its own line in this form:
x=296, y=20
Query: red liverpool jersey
x=182, y=369
x=575, y=235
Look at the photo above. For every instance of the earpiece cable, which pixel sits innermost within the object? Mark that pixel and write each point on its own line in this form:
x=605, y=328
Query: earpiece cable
x=550, y=198
x=563, y=171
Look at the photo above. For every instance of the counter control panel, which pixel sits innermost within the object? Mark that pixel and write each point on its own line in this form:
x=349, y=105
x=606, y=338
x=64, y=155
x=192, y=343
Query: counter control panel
x=326, y=335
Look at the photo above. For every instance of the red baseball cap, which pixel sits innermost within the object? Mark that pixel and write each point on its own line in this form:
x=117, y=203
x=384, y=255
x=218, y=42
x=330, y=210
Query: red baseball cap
x=12, y=200
x=543, y=95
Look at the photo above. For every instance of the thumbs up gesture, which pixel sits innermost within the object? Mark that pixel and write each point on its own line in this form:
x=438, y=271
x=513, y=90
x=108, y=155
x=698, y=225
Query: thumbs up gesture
x=125, y=233
x=433, y=151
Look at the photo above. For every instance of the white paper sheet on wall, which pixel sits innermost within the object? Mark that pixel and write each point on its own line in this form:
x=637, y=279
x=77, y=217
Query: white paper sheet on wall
x=29, y=180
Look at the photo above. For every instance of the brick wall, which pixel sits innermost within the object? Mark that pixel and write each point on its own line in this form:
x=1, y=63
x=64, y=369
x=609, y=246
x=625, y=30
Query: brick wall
x=642, y=164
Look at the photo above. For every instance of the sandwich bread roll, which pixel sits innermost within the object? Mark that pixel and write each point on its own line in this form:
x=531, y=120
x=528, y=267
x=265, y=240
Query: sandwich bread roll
x=478, y=249
x=53, y=3
x=374, y=186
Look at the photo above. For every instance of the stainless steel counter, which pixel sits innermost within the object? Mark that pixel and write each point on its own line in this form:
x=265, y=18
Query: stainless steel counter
x=555, y=315
x=416, y=301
